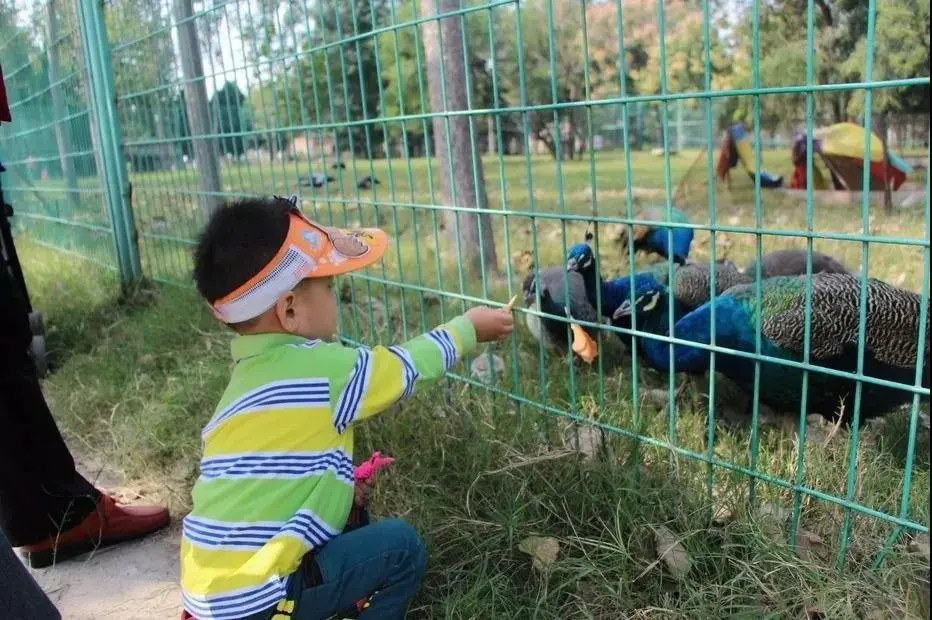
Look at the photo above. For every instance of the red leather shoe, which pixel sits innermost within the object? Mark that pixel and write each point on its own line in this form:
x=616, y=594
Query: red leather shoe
x=109, y=524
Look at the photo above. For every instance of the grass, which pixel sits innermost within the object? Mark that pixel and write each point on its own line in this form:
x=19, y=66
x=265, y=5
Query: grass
x=137, y=376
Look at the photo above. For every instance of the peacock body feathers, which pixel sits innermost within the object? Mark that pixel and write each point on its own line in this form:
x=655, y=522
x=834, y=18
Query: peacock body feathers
x=792, y=262
x=655, y=238
x=890, y=348
x=690, y=289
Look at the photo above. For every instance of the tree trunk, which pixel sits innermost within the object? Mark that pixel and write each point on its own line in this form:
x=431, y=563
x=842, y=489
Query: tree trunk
x=443, y=47
x=839, y=108
x=570, y=140
x=62, y=137
x=195, y=98
x=490, y=132
x=883, y=129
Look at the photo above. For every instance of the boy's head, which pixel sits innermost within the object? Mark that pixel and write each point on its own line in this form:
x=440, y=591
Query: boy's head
x=264, y=267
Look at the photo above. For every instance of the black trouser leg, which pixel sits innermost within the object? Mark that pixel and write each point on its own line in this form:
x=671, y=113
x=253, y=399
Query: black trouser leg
x=41, y=493
x=21, y=598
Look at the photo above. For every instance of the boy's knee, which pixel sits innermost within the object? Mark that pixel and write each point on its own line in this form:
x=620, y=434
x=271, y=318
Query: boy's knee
x=413, y=544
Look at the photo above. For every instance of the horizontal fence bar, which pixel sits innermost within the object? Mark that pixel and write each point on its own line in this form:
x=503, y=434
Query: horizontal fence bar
x=65, y=222
x=573, y=217
x=651, y=336
x=569, y=105
x=696, y=456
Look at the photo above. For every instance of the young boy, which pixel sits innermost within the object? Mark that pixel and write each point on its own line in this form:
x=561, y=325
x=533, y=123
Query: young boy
x=265, y=536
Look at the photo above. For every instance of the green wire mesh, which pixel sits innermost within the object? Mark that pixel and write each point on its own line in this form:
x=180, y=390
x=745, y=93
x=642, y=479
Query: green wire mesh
x=135, y=118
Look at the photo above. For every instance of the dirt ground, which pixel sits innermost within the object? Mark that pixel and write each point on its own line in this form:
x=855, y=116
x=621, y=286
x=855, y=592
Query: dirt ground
x=132, y=581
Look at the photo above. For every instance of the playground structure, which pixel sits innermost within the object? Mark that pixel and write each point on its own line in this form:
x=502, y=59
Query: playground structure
x=838, y=165
x=736, y=148
x=841, y=149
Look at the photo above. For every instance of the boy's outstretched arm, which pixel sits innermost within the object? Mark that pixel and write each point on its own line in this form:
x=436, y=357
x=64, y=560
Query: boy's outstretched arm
x=382, y=376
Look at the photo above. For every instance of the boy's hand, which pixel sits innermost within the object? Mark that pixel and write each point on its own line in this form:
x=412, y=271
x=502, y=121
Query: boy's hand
x=491, y=325
x=361, y=492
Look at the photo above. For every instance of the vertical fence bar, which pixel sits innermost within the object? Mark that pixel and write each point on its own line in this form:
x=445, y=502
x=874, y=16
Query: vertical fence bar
x=710, y=172
x=103, y=97
x=850, y=483
x=807, y=310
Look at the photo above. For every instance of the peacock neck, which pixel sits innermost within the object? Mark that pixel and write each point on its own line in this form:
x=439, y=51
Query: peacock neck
x=694, y=327
x=590, y=282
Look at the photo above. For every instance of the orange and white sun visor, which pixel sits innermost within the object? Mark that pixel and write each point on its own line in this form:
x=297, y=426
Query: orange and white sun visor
x=310, y=250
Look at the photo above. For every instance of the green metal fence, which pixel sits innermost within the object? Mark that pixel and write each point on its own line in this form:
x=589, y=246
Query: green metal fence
x=134, y=119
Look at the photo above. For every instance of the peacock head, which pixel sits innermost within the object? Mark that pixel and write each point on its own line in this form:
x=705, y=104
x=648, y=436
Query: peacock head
x=580, y=258
x=647, y=294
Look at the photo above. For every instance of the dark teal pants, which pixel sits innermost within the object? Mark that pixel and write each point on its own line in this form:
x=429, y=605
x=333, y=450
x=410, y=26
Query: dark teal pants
x=385, y=560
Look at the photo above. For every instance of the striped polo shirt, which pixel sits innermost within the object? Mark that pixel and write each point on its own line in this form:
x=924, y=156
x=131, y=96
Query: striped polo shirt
x=276, y=475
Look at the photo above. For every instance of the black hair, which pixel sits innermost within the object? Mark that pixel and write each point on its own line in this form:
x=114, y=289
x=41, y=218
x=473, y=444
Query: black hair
x=240, y=239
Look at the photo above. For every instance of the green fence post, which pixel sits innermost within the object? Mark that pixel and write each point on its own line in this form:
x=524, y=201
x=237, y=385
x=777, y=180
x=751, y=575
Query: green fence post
x=110, y=139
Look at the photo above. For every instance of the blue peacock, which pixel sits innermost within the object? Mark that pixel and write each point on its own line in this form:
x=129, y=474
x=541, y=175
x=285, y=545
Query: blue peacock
x=581, y=260
x=691, y=289
x=655, y=239
x=890, y=347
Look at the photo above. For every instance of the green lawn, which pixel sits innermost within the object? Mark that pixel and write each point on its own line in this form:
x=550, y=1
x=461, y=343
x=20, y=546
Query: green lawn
x=480, y=470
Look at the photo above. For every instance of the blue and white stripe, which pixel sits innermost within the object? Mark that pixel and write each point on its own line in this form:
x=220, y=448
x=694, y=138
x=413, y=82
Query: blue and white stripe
x=350, y=400
x=411, y=375
x=305, y=526
x=238, y=604
x=307, y=344
x=276, y=395
x=444, y=342
x=308, y=528
x=278, y=465
x=212, y=534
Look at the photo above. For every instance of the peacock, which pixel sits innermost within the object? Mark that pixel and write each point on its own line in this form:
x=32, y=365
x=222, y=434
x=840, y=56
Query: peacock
x=316, y=179
x=652, y=292
x=792, y=262
x=581, y=259
x=654, y=238
x=691, y=289
x=553, y=300
x=367, y=182
x=890, y=350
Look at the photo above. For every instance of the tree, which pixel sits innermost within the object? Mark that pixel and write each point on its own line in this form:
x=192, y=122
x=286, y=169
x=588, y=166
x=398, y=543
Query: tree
x=404, y=76
x=271, y=105
x=446, y=67
x=546, y=82
x=195, y=97
x=336, y=64
x=901, y=50
x=560, y=76
x=783, y=55
x=231, y=119
x=178, y=124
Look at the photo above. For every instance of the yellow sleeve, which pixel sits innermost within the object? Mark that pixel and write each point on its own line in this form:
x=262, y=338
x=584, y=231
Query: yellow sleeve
x=382, y=376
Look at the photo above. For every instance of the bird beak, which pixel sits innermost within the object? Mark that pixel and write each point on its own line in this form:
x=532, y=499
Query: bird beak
x=623, y=310
x=652, y=303
x=571, y=264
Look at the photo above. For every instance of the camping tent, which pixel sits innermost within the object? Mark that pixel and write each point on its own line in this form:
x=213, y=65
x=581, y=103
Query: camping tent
x=841, y=149
x=737, y=147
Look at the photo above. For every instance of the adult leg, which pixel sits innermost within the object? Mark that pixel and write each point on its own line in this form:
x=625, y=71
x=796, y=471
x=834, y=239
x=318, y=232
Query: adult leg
x=21, y=598
x=387, y=558
x=40, y=491
x=46, y=506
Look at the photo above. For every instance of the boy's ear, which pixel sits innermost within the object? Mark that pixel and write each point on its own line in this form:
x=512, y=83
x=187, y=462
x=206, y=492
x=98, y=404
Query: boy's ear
x=285, y=311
